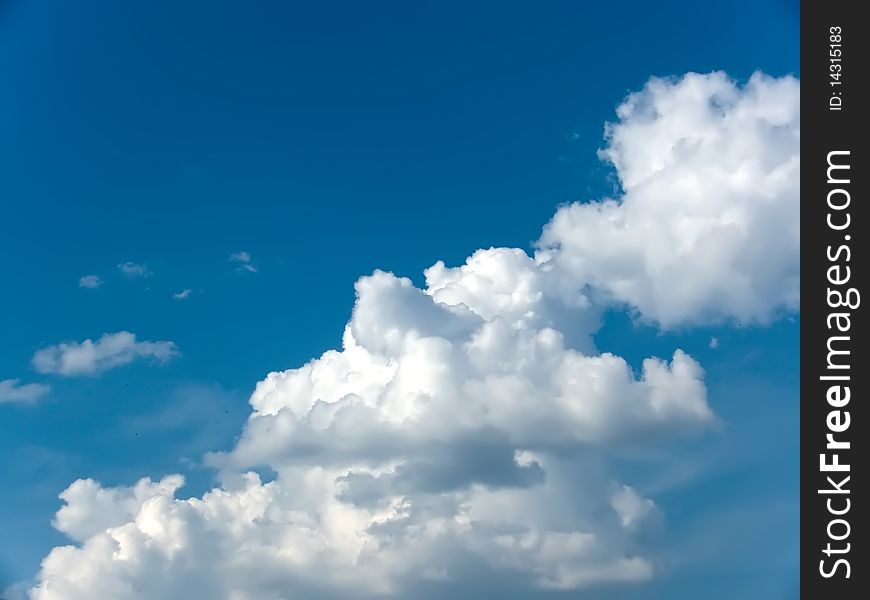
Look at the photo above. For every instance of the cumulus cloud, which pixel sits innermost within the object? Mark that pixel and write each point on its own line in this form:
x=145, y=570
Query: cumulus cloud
x=183, y=294
x=12, y=391
x=242, y=260
x=436, y=438
x=708, y=226
x=90, y=281
x=463, y=436
x=93, y=357
x=133, y=270
x=114, y=506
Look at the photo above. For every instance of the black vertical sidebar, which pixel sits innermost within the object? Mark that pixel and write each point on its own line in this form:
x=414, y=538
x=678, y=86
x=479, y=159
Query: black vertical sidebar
x=834, y=265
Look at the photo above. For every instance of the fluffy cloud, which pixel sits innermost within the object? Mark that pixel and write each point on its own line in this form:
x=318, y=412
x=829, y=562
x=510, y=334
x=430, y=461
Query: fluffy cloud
x=463, y=436
x=132, y=270
x=12, y=391
x=708, y=226
x=435, y=439
x=91, y=358
x=90, y=281
x=91, y=509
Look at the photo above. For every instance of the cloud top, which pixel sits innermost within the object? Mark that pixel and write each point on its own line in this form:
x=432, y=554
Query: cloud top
x=707, y=228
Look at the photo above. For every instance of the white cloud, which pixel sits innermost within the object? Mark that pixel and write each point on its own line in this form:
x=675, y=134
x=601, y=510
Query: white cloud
x=91, y=509
x=183, y=294
x=90, y=281
x=631, y=508
x=243, y=261
x=464, y=433
x=12, y=391
x=436, y=437
x=708, y=226
x=93, y=357
x=714, y=343
x=132, y=270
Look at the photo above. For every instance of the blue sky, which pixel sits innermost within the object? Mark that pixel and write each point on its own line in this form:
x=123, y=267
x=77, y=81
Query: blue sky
x=328, y=142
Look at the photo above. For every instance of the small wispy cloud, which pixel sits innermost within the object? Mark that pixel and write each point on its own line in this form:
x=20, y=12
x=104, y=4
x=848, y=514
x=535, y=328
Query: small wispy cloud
x=197, y=417
x=16, y=591
x=131, y=270
x=13, y=392
x=90, y=281
x=242, y=261
x=93, y=357
x=183, y=294
x=631, y=507
x=714, y=343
